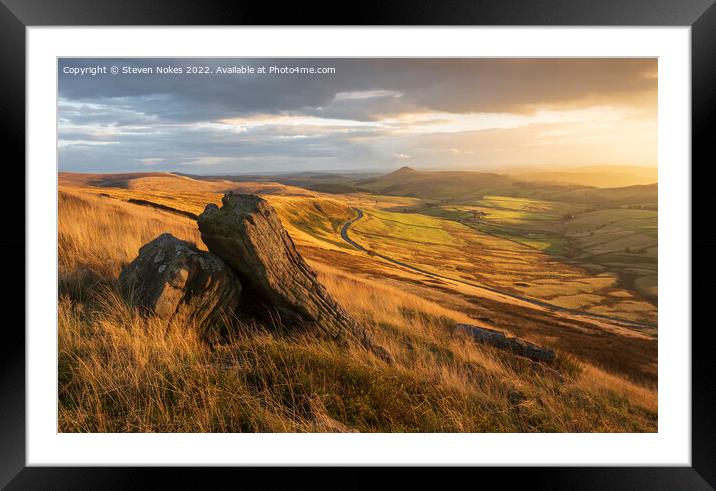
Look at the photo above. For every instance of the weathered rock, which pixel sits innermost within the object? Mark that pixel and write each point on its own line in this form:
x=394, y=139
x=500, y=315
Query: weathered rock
x=484, y=335
x=499, y=340
x=531, y=351
x=247, y=233
x=170, y=276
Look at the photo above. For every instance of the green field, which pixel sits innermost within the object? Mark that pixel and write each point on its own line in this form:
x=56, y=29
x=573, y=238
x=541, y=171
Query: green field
x=622, y=241
x=313, y=220
x=600, y=230
x=498, y=252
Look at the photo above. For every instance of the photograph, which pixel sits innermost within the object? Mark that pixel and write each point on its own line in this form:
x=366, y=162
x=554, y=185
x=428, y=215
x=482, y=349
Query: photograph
x=357, y=245
x=371, y=245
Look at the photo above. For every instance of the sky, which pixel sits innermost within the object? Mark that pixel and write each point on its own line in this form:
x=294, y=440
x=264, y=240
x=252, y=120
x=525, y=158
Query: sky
x=243, y=116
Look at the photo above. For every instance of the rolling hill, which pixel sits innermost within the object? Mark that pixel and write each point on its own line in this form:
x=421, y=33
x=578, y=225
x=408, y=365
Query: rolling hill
x=602, y=176
x=465, y=187
x=176, y=183
x=437, y=185
x=485, y=253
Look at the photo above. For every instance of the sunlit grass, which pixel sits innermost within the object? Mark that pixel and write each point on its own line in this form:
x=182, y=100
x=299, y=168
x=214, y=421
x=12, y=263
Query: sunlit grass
x=123, y=371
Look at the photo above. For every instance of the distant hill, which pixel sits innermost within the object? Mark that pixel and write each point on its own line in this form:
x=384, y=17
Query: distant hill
x=637, y=196
x=404, y=172
x=449, y=185
x=601, y=176
x=464, y=187
x=321, y=182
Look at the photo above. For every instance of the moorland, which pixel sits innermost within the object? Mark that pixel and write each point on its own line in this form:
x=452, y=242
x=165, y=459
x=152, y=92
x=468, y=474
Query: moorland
x=562, y=260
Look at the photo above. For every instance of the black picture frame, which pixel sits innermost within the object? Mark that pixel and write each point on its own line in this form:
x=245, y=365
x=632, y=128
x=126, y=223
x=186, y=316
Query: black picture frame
x=16, y=15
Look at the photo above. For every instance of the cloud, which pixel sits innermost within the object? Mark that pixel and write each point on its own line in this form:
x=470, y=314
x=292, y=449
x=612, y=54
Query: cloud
x=363, y=116
x=208, y=161
x=449, y=85
x=366, y=94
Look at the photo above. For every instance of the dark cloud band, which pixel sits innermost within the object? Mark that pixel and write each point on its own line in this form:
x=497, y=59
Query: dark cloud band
x=172, y=112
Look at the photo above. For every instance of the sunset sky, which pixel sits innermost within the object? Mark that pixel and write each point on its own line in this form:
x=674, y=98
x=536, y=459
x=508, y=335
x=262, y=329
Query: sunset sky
x=370, y=115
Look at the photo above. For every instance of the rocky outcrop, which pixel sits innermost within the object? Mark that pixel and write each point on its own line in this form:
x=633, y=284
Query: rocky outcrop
x=252, y=268
x=247, y=233
x=171, y=276
x=499, y=340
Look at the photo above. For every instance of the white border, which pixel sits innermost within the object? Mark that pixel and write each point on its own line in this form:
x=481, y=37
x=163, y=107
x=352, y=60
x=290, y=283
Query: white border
x=670, y=446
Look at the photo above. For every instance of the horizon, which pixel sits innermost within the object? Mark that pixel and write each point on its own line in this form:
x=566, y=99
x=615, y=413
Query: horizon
x=370, y=115
x=348, y=171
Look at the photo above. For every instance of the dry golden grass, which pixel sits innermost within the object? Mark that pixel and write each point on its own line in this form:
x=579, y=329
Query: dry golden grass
x=101, y=234
x=160, y=182
x=123, y=371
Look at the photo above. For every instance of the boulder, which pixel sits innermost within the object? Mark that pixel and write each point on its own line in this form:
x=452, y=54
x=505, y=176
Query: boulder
x=247, y=233
x=171, y=276
x=499, y=340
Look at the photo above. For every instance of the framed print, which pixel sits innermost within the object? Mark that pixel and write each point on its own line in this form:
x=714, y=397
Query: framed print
x=446, y=236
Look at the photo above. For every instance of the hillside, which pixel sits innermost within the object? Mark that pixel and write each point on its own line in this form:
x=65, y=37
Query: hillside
x=641, y=195
x=465, y=187
x=605, y=176
x=437, y=185
x=175, y=183
x=116, y=360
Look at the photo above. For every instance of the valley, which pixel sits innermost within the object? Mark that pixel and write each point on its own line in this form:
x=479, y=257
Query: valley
x=572, y=268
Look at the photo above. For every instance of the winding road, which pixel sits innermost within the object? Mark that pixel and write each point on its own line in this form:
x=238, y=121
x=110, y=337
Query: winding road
x=545, y=305
x=344, y=230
